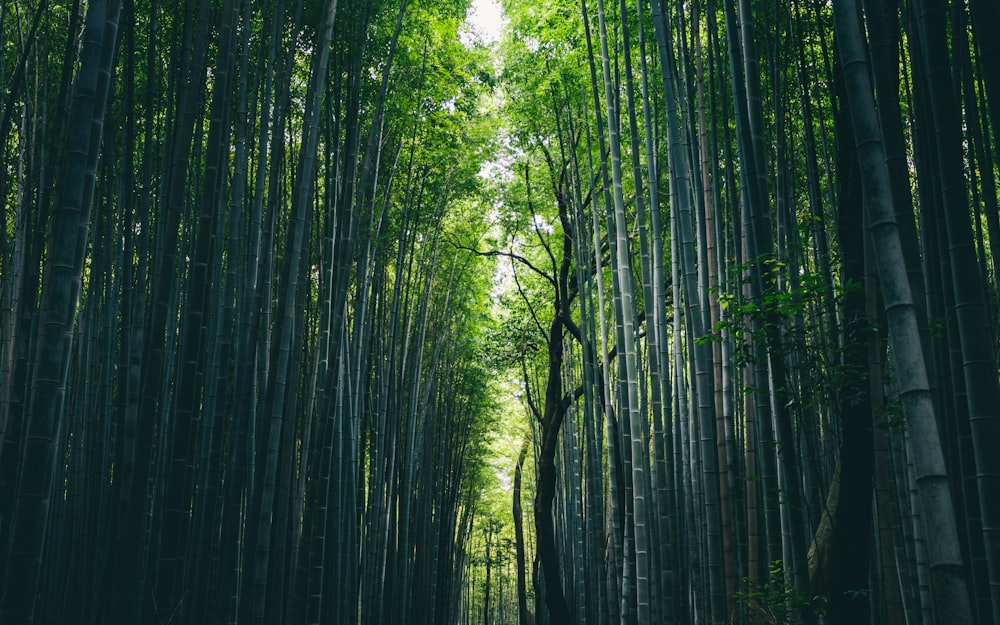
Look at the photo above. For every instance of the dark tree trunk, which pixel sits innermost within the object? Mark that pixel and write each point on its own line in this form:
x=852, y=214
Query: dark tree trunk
x=852, y=516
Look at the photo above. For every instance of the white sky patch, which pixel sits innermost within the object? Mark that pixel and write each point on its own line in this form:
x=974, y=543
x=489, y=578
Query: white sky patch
x=540, y=223
x=499, y=168
x=484, y=22
x=503, y=279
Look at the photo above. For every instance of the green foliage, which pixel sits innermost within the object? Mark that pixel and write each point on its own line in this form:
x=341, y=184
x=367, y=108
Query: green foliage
x=830, y=380
x=775, y=602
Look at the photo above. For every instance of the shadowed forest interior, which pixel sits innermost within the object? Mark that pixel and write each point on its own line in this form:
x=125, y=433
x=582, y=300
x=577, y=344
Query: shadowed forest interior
x=526, y=312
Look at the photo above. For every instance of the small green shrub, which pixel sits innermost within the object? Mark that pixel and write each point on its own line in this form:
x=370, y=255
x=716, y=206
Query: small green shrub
x=775, y=602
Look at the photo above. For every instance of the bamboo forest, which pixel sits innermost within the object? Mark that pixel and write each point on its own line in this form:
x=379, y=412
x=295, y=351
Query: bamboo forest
x=499, y=312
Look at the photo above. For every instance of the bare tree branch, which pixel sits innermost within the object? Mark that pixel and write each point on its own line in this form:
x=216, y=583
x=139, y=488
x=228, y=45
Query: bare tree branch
x=527, y=390
x=521, y=259
x=534, y=223
x=531, y=309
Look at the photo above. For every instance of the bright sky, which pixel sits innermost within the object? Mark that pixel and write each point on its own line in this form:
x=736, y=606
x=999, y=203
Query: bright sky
x=485, y=18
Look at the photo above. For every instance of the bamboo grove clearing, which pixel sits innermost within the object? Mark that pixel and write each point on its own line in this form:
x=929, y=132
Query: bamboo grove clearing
x=352, y=312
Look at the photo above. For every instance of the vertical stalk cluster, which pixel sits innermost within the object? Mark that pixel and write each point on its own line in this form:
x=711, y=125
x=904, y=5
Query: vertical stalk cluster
x=801, y=396
x=248, y=387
